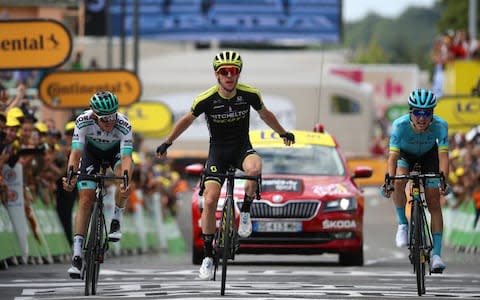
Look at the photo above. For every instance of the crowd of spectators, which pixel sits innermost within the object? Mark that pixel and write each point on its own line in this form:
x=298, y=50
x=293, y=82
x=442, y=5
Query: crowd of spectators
x=453, y=45
x=40, y=147
x=465, y=170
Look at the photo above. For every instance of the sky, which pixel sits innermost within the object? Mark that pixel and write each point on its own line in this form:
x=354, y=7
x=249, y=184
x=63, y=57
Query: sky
x=353, y=10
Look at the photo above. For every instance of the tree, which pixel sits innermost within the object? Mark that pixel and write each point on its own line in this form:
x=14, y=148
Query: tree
x=372, y=54
x=455, y=15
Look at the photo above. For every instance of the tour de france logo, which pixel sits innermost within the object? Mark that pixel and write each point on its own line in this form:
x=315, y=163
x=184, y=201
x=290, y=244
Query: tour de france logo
x=12, y=196
x=10, y=176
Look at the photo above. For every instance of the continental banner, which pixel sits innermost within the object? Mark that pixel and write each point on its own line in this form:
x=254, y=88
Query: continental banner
x=73, y=89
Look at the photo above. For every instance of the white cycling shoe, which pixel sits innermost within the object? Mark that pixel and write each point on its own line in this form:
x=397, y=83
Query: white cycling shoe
x=206, y=270
x=75, y=269
x=245, y=225
x=437, y=264
x=115, y=234
x=401, y=238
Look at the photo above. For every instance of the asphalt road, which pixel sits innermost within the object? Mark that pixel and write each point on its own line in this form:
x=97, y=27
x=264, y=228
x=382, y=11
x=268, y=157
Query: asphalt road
x=386, y=274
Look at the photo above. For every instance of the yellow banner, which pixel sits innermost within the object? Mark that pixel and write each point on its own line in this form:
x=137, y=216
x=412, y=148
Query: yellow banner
x=73, y=89
x=33, y=44
x=461, y=113
x=151, y=119
x=269, y=138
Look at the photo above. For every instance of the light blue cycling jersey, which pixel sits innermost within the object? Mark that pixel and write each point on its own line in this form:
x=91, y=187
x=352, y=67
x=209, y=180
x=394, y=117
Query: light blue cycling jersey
x=403, y=136
x=88, y=131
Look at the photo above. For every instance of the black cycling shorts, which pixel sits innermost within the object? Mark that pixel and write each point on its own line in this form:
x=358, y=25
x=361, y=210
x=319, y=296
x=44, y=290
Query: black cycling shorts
x=428, y=161
x=222, y=156
x=91, y=162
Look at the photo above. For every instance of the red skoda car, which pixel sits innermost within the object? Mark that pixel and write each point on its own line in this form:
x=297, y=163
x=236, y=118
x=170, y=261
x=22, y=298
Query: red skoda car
x=310, y=203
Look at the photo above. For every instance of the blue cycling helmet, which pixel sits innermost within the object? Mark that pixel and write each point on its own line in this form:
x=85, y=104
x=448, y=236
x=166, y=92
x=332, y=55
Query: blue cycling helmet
x=104, y=103
x=422, y=98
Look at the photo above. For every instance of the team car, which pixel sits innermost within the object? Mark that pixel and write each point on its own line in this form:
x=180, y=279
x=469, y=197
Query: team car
x=310, y=203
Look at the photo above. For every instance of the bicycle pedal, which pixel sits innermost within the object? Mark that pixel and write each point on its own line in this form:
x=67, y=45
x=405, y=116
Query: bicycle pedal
x=74, y=276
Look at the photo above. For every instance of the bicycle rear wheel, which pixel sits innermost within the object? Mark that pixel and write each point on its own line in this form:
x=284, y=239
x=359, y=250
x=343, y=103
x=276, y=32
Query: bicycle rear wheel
x=418, y=251
x=228, y=221
x=92, y=268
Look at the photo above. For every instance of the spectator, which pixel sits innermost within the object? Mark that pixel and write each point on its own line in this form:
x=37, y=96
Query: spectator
x=476, y=201
x=77, y=64
x=93, y=64
x=65, y=200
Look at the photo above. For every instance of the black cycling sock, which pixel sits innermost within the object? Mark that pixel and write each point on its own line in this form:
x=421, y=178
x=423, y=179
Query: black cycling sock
x=247, y=203
x=208, y=244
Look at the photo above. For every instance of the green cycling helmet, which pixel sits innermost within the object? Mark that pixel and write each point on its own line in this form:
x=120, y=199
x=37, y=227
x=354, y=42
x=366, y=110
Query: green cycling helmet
x=227, y=58
x=104, y=103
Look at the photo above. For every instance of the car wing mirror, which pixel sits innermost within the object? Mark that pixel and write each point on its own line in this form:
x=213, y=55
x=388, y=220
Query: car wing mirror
x=362, y=172
x=194, y=169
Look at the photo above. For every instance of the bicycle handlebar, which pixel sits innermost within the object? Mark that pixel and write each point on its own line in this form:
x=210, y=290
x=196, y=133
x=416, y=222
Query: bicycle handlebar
x=257, y=178
x=97, y=177
x=414, y=175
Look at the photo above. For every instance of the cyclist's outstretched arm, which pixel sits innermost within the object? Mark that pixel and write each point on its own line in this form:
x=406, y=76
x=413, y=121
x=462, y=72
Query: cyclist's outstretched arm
x=178, y=129
x=269, y=118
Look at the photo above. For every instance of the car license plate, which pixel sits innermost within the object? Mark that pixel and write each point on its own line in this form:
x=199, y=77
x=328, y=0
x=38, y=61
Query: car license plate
x=263, y=226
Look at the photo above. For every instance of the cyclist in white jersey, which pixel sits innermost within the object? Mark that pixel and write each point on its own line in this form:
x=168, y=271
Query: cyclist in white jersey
x=101, y=134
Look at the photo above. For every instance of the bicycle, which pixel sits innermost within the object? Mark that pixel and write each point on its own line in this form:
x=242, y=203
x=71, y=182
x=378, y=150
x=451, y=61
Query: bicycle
x=226, y=244
x=97, y=242
x=420, y=238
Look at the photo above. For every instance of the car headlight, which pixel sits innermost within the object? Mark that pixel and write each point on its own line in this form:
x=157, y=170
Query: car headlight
x=343, y=204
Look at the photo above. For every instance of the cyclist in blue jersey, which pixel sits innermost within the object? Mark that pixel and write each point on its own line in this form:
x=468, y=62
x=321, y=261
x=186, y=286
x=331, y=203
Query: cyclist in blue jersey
x=419, y=137
x=101, y=134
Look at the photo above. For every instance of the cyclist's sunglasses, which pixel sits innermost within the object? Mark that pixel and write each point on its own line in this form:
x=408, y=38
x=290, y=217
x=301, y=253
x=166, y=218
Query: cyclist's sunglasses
x=107, y=118
x=228, y=70
x=422, y=112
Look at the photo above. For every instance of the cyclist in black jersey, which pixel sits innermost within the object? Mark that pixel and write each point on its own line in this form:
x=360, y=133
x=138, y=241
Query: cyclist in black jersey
x=227, y=111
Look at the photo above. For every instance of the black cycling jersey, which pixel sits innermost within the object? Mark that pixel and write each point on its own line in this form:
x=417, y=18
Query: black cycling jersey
x=228, y=120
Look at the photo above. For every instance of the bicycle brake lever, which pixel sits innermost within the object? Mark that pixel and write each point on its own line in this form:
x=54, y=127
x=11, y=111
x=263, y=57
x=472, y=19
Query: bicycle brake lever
x=125, y=178
x=259, y=187
x=69, y=175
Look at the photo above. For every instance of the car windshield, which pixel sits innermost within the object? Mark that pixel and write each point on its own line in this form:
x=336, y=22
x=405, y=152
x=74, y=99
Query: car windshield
x=313, y=160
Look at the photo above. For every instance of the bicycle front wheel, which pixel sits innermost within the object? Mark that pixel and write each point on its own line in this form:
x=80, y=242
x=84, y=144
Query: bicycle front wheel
x=228, y=223
x=418, y=251
x=92, y=267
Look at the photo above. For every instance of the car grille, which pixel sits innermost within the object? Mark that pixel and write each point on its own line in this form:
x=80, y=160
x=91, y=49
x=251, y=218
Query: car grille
x=294, y=209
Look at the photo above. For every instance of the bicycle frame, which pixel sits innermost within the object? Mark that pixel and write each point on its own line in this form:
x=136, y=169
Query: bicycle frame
x=420, y=238
x=97, y=240
x=97, y=244
x=226, y=237
x=420, y=245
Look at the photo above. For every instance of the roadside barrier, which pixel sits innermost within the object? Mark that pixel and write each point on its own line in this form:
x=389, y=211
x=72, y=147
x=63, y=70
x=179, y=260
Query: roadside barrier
x=144, y=229
x=459, y=232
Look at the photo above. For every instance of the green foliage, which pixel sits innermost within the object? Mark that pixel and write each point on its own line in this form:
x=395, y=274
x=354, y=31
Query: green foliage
x=405, y=39
x=372, y=54
x=455, y=15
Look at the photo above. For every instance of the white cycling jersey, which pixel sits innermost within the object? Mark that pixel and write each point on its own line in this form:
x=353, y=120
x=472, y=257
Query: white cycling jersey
x=88, y=132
